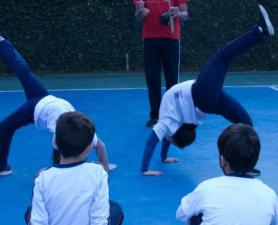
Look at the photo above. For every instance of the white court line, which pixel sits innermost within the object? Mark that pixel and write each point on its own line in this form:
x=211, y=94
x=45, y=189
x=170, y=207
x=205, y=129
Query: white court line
x=274, y=87
x=83, y=89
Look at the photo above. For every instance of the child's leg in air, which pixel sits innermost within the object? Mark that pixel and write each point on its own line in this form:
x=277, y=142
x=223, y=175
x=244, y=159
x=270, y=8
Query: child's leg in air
x=207, y=89
x=232, y=110
x=31, y=85
x=24, y=115
x=209, y=96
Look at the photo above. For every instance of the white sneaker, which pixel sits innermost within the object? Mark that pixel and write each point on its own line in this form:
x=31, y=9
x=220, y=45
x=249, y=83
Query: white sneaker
x=6, y=171
x=264, y=22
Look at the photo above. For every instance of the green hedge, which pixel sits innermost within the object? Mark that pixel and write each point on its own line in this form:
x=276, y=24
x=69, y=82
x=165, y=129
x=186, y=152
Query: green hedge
x=95, y=35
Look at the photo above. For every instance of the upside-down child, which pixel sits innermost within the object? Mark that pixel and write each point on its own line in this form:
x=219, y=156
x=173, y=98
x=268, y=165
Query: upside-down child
x=185, y=106
x=40, y=108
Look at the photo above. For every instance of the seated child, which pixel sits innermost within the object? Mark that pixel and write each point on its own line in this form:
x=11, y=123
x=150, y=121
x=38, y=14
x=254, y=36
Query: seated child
x=74, y=191
x=237, y=197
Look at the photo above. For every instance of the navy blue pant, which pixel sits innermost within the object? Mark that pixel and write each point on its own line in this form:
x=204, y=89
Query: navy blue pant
x=34, y=92
x=207, y=91
x=157, y=52
x=116, y=214
x=196, y=220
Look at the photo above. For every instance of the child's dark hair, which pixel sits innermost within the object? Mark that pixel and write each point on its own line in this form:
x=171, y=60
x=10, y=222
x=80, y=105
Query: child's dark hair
x=56, y=156
x=240, y=146
x=74, y=132
x=185, y=135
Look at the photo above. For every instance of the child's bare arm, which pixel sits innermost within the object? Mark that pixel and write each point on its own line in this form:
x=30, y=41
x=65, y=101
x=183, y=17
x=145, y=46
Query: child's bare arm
x=102, y=154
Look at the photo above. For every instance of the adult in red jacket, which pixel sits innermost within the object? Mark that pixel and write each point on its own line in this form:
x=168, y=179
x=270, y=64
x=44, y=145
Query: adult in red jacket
x=161, y=35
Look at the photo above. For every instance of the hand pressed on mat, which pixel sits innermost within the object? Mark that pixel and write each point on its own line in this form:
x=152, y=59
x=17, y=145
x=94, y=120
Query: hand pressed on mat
x=152, y=173
x=171, y=160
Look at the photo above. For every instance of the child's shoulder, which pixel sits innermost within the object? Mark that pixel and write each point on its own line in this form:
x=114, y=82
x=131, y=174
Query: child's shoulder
x=226, y=181
x=93, y=171
x=88, y=166
x=42, y=174
x=213, y=180
x=212, y=183
x=94, y=167
x=264, y=188
x=41, y=171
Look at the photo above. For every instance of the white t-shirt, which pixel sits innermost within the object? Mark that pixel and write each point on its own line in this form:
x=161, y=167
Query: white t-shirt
x=47, y=111
x=177, y=107
x=229, y=200
x=74, y=194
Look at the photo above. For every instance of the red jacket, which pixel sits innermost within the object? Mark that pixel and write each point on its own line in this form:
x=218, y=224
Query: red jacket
x=152, y=27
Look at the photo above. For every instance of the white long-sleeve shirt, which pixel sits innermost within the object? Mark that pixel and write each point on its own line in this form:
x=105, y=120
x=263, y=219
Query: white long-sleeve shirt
x=177, y=107
x=73, y=194
x=229, y=200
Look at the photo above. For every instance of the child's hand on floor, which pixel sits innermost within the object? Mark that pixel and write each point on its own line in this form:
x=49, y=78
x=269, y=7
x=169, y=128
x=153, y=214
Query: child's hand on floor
x=171, y=160
x=152, y=173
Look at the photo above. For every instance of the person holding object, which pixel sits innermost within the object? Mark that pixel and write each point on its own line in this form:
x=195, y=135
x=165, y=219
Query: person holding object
x=161, y=36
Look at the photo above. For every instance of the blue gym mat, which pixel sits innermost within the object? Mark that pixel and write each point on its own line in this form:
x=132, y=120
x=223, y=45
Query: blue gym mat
x=120, y=115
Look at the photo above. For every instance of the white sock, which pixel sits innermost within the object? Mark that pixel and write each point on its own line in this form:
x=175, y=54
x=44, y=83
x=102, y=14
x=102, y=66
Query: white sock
x=261, y=29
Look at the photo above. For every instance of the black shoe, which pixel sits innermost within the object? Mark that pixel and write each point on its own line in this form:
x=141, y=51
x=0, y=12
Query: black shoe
x=151, y=122
x=264, y=22
x=6, y=171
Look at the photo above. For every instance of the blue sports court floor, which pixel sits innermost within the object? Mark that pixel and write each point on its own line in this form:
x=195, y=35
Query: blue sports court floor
x=120, y=115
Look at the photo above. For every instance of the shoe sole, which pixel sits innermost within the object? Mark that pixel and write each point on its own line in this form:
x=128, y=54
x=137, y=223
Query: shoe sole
x=6, y=173
x=269, y=25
